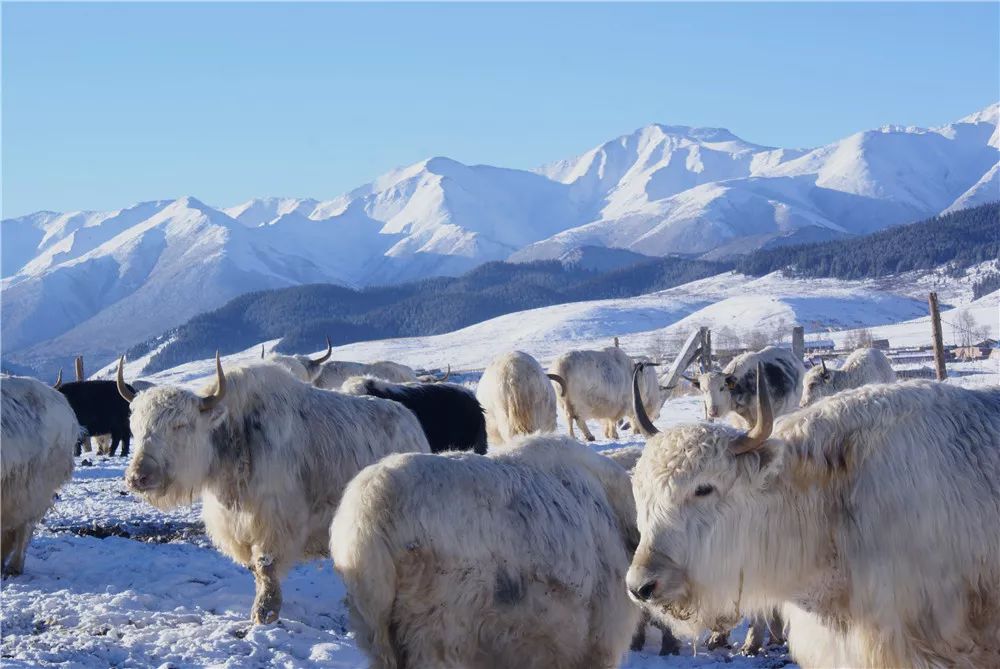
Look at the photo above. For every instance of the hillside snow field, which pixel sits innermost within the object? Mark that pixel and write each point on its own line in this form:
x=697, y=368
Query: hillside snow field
x=95, y=283
x=730, y=304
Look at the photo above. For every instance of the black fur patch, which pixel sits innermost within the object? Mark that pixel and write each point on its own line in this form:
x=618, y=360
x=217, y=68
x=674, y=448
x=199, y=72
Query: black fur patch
x=450, y=416
x=508, y=590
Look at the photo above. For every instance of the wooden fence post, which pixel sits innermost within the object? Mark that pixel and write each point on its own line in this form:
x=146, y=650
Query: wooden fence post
x=706, y=350
x=799, y=342
x=938, y=341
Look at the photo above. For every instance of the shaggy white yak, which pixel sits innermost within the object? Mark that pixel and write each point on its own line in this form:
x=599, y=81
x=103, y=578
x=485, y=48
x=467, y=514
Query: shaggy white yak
x=873, y=512
x=269, y=457
x=38, y=430
x=513, y=559
x=518, y=397
x=864, y=366
x=302, y=367
x=733, y=390
x=335, y=372
x=596, y=385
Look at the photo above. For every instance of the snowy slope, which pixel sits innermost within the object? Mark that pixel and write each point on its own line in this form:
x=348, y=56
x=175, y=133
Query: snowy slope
x=654, y=324
x=76, y=282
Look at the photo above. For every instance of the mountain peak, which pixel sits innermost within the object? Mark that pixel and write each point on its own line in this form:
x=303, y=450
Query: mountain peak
x=989, y=114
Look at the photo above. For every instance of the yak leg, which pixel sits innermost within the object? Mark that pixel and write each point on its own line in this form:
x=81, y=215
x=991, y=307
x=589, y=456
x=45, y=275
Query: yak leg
x=114, y=445
x=669, y=645
x=7, y=544
x=19, y=546
x=776, y=627
x=718, y=639
x=582, y=424
x=611, y=428
x=570, y=418
x=755, y=635
x=78, y=447
x=125, y=444
x=267, y=601
x=639, y=638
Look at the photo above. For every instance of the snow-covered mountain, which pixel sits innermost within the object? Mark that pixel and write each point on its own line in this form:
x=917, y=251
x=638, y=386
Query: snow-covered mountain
x=97, y=282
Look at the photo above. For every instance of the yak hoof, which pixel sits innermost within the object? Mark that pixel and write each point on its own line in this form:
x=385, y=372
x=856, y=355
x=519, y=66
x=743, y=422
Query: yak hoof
x=590, y=437
x=264, y=616
x=266, y=607
x=718, y=640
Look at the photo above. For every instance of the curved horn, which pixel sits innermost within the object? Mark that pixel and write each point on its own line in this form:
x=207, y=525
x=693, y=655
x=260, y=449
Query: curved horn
x=210, y=402
x=78, y=365
x=58, y=384
x=127, y=393
x=822, y=363
x=446, y=376
x=641, y=418
x=561, y=381
x=326, y=356
x=757, y=435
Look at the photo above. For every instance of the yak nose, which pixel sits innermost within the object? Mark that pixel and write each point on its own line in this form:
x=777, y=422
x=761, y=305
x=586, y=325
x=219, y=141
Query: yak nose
x=141, y=479
x=644, y=592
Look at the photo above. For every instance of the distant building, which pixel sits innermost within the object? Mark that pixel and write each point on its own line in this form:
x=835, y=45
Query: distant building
x=820, y=345
x=881, y=344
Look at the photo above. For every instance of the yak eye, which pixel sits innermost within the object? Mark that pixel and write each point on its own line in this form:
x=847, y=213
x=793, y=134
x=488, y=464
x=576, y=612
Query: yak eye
x=704, y=489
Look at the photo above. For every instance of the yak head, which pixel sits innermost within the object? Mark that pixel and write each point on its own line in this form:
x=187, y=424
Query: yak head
x=819, y=382
x=692, y=485
x=172, y=429
x=717, y=392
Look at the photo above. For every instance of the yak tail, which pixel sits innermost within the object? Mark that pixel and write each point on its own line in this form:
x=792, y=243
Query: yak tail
x=362, y=556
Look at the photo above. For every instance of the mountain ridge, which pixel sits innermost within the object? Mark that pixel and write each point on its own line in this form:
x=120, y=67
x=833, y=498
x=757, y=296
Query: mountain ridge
x=99, y=281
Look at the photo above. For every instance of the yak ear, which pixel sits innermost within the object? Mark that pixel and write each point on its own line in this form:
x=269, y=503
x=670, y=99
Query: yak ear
x=692, y=380
x=730, y=381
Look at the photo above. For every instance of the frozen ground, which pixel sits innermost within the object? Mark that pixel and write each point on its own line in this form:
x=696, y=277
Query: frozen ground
x=111, y=581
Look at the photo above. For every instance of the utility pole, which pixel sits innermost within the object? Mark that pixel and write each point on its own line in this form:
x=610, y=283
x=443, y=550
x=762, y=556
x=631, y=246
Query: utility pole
x=938, y=341
x=799, y=342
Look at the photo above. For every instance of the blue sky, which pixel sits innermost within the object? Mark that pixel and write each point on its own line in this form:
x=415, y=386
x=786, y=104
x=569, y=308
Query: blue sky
x=105, y=105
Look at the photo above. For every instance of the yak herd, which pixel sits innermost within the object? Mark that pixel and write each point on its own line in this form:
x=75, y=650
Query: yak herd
x=858, y=515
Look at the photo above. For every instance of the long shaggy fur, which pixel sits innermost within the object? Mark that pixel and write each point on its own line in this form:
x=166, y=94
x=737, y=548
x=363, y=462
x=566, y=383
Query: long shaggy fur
x=449, y=413
x=874, y=511
x=336, y=372
x=599, y=386
x=864, y=366
x=512, y=560
x=517, y=397
x=38, y=430
x=270, y=463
